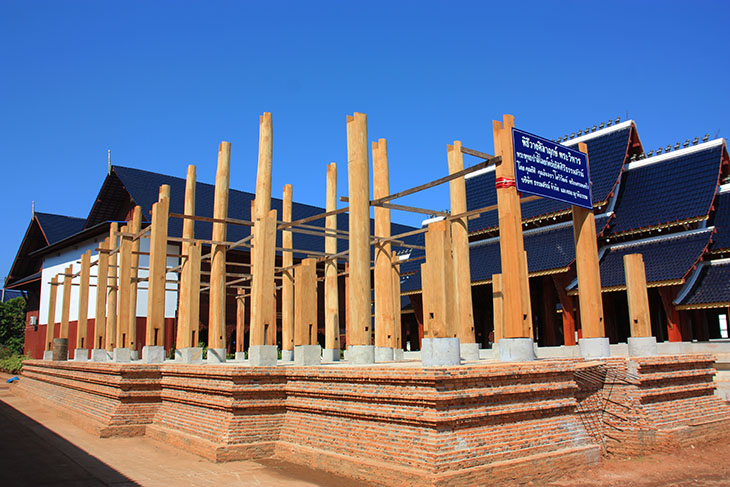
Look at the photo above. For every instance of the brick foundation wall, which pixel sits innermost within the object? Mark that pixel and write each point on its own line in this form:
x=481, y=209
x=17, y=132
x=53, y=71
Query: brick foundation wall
x=399, y=425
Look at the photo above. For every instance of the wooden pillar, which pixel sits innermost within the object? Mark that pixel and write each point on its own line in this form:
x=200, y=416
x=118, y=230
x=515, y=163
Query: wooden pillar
x=566, y=303
x=348, y=327
x=674, y=330
x=158, y=270
x=384, y=312
x=397, y=319
x=511, y=243
x=102, y=277
x=111, y=306
x=460, y=246
x=134, y=227
x=527, y=299
x=217, y=294
x=240, y=319
x=262, y=293
x=184, y=316
x=359, y=249
x=66, y=304
x=305, y=303
x=637, y=295
x=81, y=339
x=498, y=304
x=588, y=270
x=124, y=318
x=331, y=291
x=50, y=329
x=287, y=278
x=439, y=307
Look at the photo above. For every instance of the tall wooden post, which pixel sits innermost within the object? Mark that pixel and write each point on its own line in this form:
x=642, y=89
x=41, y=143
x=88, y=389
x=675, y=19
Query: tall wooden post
x=527, y=299
x=66, y=305
x=184, y=318
x=134, y=227
x=638, y=298
x=331, y=291
x=439, y=303
x=287, y=280
x=305, y=303
x=397, y=342
x=674, y=330
x=240, y=320
x=102, y=277
x=511, y=243
x=217, y=296
x=81, y=340
x=359, y=250
x=498, y=304
x=124, y=321
x=384, y=312
x=155, y=329
x=50, y=329
x=111, y=305
x=588, y=270
x=460, y=246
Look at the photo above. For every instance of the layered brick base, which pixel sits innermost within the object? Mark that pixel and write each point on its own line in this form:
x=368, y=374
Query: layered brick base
x=401, y=425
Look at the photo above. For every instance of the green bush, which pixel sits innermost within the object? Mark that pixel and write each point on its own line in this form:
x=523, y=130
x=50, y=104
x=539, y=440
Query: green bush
x=12, y=325
x=12, y=363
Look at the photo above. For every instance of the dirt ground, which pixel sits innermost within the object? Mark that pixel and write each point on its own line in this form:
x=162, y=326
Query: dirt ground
x=39, y=448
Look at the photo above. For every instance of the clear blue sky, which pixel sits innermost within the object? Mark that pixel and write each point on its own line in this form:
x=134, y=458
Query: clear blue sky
x=161, y=83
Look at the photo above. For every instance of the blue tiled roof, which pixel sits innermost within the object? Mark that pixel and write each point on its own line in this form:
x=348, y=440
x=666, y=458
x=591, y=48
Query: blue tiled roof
x=721, y=240
x=550, y=248
x=607, y=155
x=673, y=190
x=58, y=227
x=711, y=287
x=684, y=248
x=143, y=187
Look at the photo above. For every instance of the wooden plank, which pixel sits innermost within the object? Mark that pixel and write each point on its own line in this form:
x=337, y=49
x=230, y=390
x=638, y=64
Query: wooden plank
x=184, y=319
x=305, y=303
x=331, y=290
x=196, y=218
x=217, y=303
x=83, y=321
x=155, y=328
x=66, y=303
x=476, y=153
x=110, y=326
x=461, y=275
x=50, y=329
x=359, y=244
x=439, y=306
x=511, y=243
x=638, y=297
x=383, y=277
x=588, y=270
x=498, y=304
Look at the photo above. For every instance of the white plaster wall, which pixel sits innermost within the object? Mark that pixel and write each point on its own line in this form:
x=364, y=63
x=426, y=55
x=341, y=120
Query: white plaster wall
x=54, y=264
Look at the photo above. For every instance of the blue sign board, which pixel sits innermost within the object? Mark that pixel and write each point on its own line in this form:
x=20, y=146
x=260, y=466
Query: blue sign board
x=551, y=170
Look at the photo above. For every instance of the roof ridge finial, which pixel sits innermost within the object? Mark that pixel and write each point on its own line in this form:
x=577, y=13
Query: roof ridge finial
x=32, y=209
x=108, y=161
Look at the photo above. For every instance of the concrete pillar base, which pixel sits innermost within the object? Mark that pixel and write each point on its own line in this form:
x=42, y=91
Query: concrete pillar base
x=216, y=356
x=398, y=354
x=594, y=347
x=188, y=355
x=134, y=354
x=100, y=355
x=642, y=346
x=361, y=354
x=287, y=355
x=153, y=354
x=439, y=352
x=48, y=355
x=122, y=355
x=262, y=355
x=383, y=354
x=307, y=355
x=516, y=350
x=81, y=355
x=240, y=357
x=331, y=355
x=469, y=351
